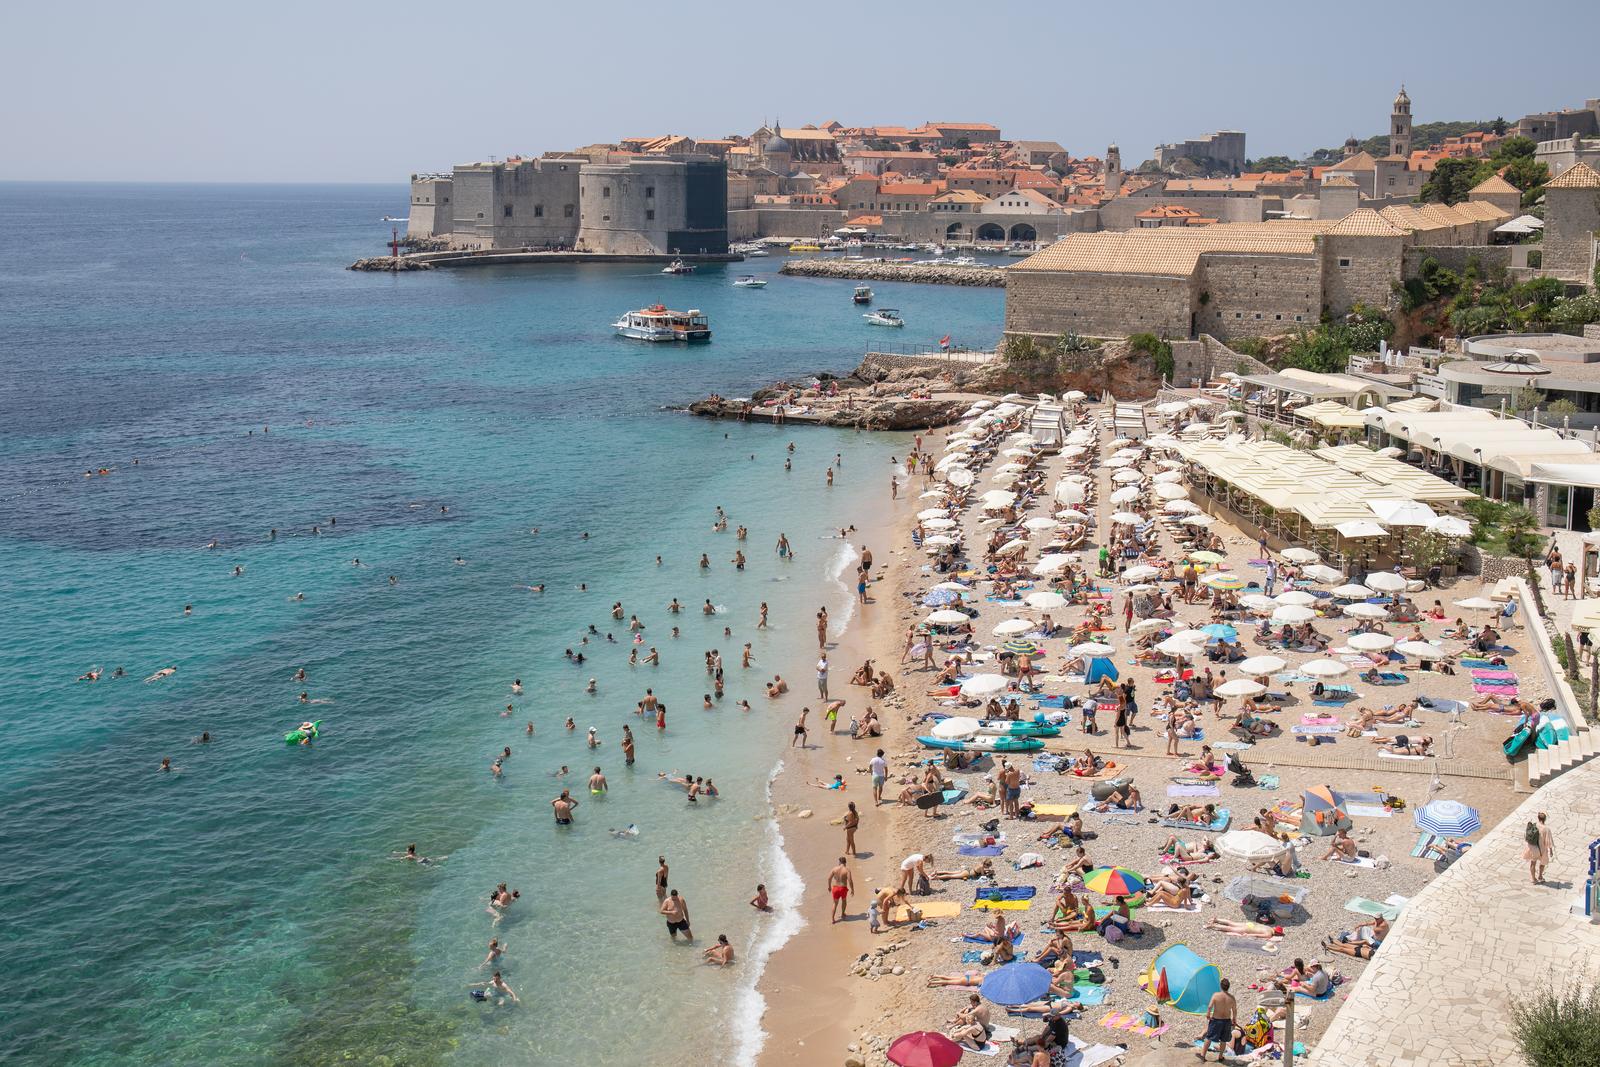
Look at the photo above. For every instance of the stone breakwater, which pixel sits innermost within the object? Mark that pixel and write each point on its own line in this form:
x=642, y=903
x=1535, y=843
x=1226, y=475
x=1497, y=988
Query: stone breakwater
x=390, y=263
x=863, y=413
x=937, y=273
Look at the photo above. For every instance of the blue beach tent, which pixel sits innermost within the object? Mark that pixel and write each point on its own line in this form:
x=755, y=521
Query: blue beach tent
x=1180, y=978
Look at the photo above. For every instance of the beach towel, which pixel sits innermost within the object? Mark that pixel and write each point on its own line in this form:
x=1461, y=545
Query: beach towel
x=1219, y=824
x=1369, y=811
x=1002, y=905
x=1494, y=672
x=1188, y=790
x=973, y=939
x=980, y=850
x=1062, y=810
x=1366, y=862
x=1314, y=731
x=1087, y=958
x=1327, y=994
x=1391, y=678
x=1193, y=908
x=1319, y=720
x=974, y=956
x=1232, y=746
x=1005, y=892
x=933, y=909
x=1133, y=1024
x=1397, y=755
x=1267, y=781
x=1084, y=993
x=1479, y=664
x=1372, y=908
x=1250, y=944
x=1051, y=701
x=998, y=1037
x=1424, y=839
x=1324, y=703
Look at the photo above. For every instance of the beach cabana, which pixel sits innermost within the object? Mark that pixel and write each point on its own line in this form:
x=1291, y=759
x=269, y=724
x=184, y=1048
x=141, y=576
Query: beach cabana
x=1182, y=979
x=1322, y=812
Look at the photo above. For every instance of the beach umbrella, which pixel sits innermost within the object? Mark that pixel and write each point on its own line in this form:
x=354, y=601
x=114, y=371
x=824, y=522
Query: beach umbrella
x=1011, y=468
x=938, y=539
x=1193, y=637
x=1225, y=581
x=931, y=494
x=1074, y=394
x=955, y=726
x=1014, y=626
x=1362, y=610
x=1168, y=475
x=1019, y=647
x=1299, y=555
x=1121, y=442
x=1324, y=668
x=1140, y=572
x=948, y=617
x=1403, y=512
x=1169, y=491
x=939, y=524
x=937, y=598
x=933, y=513
x=1129, y=453
x=1040, y=522
x=1201, y=402
x=1295, y=596
x=1205, y=556
x=1054, y=562
x=998, y=498
x=1016, y=983
x=1252, y=846
x=954, y=587
x=1113, y=881
x=1261, y=666
x=1259, y=603
x=1448, y=818
x=1197, y=520
x=1004, y=478
x=1370, y=642
x=1072, y=451
x=1360, y=529
x=1014, y=452
x=1069, y=515
x=959, y=476
x=1384, y=581
x=1230, y=415
x=1174, y=647
x=1477, y=603
x=1293, y=614
x=1240, y=687
x=1126, y=495
x=1352, y=591
x=1172, y=407
x=1322, y=812
x=1145, y=626
x=1023, y=439
x=1127, y=477
x=1450, y=526
x=1069, y=493
x=1045, y=600
x=1419, y=649
x=1390, y=453
x=1091, y=650
x=1118, y=461
x=924, y=1048
x=950, y=461
x=1321, y=572
x=1181, y=507
x=982, y=685
x=1011, y=548
x=1220, y=631
x=1125, y=518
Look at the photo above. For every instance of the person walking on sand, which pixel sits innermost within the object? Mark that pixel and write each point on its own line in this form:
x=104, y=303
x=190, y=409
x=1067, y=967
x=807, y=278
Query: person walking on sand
x=1541, y=848
x=676, y=911
x=800, y=734
x=822, y=677
x=1127, y=612
x=880, y=774
x=1219, y=1022
x=852, y=819
x=840, y=885
x=822, y=628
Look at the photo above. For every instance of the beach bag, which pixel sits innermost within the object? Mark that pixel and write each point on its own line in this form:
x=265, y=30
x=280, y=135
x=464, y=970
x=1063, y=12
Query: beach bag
x=1530, y=834
x=923, y=887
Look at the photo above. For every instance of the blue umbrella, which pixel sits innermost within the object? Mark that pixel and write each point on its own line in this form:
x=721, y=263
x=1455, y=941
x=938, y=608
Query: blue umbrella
x=1016, y=983
x=1221, y=631
x=939, y=597
x=1448, y=818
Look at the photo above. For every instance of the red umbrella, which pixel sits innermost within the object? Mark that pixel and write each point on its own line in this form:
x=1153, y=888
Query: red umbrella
x=924, y=1049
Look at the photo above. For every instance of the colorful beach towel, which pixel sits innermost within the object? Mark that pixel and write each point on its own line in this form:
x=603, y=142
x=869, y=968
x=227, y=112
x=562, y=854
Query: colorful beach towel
x=1005, y=892
x=1314, y=731
x=1133, y=1024
x=1373, y=908
x=1219, y=824
x=1494, y=673
x=1319, y=720
x=933, y=909
x=1002, y=905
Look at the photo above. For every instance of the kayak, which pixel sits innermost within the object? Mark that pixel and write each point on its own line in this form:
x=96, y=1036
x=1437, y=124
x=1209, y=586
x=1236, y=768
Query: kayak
x=297, y=735
x=984, y=743
x=1007, y=728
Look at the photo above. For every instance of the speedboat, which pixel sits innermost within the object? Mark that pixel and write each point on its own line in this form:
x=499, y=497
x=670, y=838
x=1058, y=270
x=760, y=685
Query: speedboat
x=678, y=266
x=884, y=317
x=863, y=294
x=659, y=323
x=750, y=281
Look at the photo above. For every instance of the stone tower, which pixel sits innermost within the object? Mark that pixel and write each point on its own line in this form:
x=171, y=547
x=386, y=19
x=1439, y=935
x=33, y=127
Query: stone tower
x=1113, y=171
x=1400, y=126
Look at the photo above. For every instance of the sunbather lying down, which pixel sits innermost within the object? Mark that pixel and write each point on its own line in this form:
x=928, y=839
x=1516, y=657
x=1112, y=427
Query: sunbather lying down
x=1189, y=850
x=1245, y=928
x=1406, y=746
x=985, y=869
x=1490, y=702
x=936, y=981
x=1121, y=800
x=1199, y=814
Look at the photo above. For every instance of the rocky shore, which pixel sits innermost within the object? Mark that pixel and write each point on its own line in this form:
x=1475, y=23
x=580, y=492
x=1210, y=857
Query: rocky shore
x=392, y=264
x=936, y=273
x=857, y=410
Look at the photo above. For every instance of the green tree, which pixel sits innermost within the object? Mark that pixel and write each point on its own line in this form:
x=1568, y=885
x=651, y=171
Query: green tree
x=1516, y=148
x=1498, y=126
x=962, y=143
x=1157, y=349
x=1522, y=536
x=1271, y=163
x=1453, y=179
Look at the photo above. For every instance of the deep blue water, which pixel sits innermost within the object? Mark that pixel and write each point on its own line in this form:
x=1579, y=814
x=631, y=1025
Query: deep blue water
x=245, y=909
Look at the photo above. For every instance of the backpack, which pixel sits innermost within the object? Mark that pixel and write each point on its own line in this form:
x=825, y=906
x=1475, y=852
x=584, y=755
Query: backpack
x=1530, y=834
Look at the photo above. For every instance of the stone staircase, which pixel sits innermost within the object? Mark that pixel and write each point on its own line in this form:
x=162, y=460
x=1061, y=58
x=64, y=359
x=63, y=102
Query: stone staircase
x=1547, y=763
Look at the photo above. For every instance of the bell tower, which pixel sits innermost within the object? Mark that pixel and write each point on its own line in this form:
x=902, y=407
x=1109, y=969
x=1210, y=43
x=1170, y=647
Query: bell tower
x=1113, y=171
x=1400, y=126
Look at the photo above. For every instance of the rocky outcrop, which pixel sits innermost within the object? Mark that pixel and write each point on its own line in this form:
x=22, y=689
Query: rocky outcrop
x=937, y=273
x=1115, y=367
x=392, y=264
x=864, y=413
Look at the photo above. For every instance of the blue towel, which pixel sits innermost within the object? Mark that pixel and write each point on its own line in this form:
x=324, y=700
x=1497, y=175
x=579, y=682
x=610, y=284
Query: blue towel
x=980, y=941
x=1006, y=892
x=980, y=850
x=1084, y=993
x=1052, y=702
x=975, y=956
x=1087, y=958
x=1330, y=703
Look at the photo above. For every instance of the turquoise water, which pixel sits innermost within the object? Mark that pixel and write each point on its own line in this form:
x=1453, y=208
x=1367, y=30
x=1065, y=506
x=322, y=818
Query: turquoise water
x=245, y=909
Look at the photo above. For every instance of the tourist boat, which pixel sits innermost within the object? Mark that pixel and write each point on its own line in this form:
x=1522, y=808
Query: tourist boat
x=658, y=323
x=678, y=266
x=863, y=294
x=805, y=246
x=750, y=281
x=884, y=317
x=984, y=743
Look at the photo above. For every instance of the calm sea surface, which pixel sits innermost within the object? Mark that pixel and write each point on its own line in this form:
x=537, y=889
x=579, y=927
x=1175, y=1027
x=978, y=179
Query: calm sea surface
x=245, y=909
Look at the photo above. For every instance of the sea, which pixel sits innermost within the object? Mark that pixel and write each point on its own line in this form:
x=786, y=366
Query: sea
x=265, y=418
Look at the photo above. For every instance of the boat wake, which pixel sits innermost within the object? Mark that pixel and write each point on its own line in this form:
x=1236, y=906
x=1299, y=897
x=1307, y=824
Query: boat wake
x=784, y=890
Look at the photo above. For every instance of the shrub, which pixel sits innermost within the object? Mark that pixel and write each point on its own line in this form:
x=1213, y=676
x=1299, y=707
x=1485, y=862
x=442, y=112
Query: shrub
x=1157, y=349
x=1558, y=1028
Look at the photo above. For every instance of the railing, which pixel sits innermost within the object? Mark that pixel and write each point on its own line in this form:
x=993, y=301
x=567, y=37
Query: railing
x=955, y=353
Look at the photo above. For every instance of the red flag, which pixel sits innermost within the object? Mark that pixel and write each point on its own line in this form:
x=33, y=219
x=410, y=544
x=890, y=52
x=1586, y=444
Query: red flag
x=944, y=342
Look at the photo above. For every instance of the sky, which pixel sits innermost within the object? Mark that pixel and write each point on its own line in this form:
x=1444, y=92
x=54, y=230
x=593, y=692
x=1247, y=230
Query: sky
x=353, y=91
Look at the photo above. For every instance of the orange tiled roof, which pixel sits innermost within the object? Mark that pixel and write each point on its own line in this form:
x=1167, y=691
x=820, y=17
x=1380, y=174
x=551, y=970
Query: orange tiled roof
x=1577, y=176
x=910, y=188
x=865, y=220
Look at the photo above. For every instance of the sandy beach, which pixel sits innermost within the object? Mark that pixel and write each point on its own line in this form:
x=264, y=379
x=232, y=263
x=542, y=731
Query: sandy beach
x=821, y=1010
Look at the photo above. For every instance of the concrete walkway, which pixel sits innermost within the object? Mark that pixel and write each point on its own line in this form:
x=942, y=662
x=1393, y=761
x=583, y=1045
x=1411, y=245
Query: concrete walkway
x=1438, y=993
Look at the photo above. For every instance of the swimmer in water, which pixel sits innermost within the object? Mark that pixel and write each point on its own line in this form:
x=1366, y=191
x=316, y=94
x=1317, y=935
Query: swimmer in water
x=496, y=949
x=658, y=561
x=593, y=741
x=166, y=764
x=496, y=985
x=460, y=562
x=394, y=579
x=516, y=687
x=743, y=705
x=203, y=739
x=164, y=672
x=300, y=675
x=654, y=658
x=759, y=901
x=570, y=724
x=529, y=730
x=119, y=673
x=597, y=783
x=562, y=773
x=296, y=597
x=507, y=713
x=495, y=768
x=238, y=572
x=705, y=561
x=708, y=609
x=188, y=609
x=90, y=675
x=592, y=687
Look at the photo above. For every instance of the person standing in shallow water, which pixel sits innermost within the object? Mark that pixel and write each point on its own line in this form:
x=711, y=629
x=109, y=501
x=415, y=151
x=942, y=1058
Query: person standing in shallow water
x=661, y=878
x=676, y=911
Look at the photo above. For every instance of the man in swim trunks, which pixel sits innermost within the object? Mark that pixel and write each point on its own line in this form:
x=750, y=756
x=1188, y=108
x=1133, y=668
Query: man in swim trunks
x=676, y=910
x=564, y=805
x=597, y=783
x=840, y=885
x=1219, y=1021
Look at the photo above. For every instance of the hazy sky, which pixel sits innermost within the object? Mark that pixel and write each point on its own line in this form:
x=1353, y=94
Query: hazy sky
x=356, y=91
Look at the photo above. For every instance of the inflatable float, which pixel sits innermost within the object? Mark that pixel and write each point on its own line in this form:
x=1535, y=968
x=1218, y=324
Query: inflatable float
x=984, y=743
x=297, y=735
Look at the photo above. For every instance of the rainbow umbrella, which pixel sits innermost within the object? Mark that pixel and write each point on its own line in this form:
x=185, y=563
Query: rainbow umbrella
x=1113, y=881
x=924, y=1049
x=1021, y=648
x=1224, y=580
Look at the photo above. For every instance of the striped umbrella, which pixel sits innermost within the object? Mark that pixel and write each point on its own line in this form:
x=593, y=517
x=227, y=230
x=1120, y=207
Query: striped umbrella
x=1113, y=881
x=1448, y=818
x=1021, y=648
x=1225, y=581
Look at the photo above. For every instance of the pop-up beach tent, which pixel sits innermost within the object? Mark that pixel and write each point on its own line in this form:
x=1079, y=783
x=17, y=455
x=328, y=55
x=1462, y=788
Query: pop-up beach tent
x=1180, y=978
x=1322, y=812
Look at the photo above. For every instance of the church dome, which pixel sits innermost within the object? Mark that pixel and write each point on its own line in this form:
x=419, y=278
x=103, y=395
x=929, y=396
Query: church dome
x=1401, y=99
x=776, y=143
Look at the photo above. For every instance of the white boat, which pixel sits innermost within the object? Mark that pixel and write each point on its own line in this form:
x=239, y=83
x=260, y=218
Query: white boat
x=678, y=266
x=884, y=317
x=863, y=294
x=750, y=281
x=757, y=252
x=659, y=323
x=964, y=261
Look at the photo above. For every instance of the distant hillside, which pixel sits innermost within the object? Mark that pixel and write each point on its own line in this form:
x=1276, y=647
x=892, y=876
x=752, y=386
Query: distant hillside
x=1423, y=135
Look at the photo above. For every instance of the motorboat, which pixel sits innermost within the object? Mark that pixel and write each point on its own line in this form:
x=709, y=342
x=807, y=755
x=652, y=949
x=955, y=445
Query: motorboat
x=863, y=294
x=750, y=281
x=660, y=323
x=884, y=317
x=678, y=266
x=757, y=252
x=965, y=261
